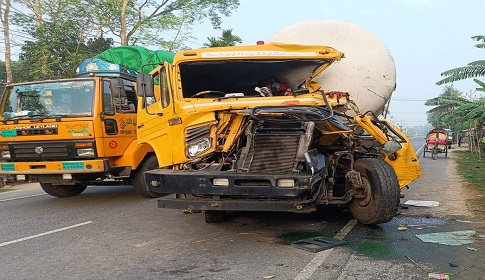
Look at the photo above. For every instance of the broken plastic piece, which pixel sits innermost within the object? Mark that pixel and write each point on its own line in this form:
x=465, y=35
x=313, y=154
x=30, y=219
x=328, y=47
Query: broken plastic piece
x=425, y=203
x=317, y=244
x=452, y=238
x=438, y=276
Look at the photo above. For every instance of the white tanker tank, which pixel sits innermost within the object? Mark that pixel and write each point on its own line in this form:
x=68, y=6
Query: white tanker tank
x=367, y=72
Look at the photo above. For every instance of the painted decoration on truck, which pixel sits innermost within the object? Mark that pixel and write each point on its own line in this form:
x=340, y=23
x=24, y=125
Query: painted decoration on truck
x=78, y=129
x=127, y=126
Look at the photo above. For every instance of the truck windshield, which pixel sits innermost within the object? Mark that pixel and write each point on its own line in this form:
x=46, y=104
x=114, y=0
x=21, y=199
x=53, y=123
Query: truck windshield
x=49, y=99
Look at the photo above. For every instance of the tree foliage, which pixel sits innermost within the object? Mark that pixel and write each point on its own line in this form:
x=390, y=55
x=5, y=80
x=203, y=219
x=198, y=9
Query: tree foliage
x=452, y=110
x=58, y=49
x=444, y=105
x=151, y=22
x=227, y=39
x=474, y=69
x=64, y=32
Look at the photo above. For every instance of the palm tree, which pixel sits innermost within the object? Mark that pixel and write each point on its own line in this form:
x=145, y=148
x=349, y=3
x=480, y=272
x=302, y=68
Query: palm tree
x=227, y=39
x=481, y=84
x=472, y=70
x=444, y=104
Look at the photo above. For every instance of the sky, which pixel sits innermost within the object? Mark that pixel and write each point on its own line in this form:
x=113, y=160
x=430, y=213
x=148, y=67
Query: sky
x=425, y=38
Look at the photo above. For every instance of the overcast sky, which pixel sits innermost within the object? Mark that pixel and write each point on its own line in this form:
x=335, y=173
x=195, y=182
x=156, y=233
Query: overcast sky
x=425, y=37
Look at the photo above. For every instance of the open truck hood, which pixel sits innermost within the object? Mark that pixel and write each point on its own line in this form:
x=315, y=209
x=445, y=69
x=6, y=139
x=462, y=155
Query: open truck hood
x=237, y=69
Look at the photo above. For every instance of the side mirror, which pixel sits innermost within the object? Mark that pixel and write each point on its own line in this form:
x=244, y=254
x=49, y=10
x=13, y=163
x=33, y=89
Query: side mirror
x=117, y=87
x=390, y=147
x=144, y=85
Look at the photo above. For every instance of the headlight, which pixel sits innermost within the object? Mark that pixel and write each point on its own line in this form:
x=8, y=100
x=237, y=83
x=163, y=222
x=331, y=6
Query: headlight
x=5, y=154
x=199, y=147
x=89, y=152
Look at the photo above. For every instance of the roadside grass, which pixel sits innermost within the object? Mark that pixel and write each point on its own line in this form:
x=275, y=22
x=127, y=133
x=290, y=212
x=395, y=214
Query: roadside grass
x=473, y=172
x=472, y=168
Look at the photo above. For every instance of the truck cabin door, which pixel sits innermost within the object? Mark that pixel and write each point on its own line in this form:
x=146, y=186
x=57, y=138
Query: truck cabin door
x=119, y=115
x=155, y=110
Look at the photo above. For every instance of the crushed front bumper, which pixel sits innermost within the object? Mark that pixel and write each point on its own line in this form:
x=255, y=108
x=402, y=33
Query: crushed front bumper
x=243, y=191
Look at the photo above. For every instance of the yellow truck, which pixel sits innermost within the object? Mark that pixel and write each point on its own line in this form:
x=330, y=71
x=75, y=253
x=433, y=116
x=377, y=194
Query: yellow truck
x=247, y=128
x=70, y=133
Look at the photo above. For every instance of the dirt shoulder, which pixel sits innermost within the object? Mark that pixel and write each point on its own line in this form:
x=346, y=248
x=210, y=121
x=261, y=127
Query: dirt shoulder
x=442, y=182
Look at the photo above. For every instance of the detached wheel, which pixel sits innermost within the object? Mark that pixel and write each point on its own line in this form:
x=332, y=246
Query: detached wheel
x=139, y=182
x=380, y=190
x=212, y=216
x=63, y=190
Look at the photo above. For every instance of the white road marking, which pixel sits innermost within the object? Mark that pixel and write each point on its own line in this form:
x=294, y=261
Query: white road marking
x=321, y=256
x=420, y=151
x=20, y=197
x=42, y=234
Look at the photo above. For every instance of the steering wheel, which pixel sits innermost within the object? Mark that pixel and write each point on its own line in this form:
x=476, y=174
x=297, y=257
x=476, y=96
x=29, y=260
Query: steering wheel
x=214, y=93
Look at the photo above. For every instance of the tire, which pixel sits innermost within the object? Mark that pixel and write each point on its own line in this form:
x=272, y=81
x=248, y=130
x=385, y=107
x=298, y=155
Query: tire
x=139, y=183
x=424, y=152
x=446, y=152
x=63, y=190
x=212, y=216
x=434, y=154
x=382, y=190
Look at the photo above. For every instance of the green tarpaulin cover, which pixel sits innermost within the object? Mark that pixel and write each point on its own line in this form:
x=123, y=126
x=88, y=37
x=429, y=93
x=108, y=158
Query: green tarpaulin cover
x=135, y=57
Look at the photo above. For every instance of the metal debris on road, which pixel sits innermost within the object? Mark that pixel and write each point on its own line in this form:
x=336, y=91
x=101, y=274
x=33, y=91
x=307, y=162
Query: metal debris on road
x=317, y=244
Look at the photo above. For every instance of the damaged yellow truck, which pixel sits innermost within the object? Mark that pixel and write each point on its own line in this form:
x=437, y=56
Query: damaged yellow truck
x=224, y=144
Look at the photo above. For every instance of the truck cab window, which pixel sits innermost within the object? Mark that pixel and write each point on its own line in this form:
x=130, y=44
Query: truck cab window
x=164, y=92
x=107, y=98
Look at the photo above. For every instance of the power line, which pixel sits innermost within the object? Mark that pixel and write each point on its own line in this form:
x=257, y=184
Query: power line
x=407, y=99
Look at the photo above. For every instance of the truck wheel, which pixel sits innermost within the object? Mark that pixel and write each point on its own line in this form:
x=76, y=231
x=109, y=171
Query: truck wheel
x=139, y=182
x=212, y=216
x=381, y=190
x=63, y=190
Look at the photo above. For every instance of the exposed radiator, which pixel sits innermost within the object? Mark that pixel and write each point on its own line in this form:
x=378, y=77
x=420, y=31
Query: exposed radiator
x=275, y=150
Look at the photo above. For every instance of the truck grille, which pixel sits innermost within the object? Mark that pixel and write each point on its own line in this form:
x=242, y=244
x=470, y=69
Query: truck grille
x=37, y=151
x=193, y=134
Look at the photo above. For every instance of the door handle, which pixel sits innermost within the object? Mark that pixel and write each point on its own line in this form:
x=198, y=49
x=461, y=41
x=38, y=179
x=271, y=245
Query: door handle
x=141, y=125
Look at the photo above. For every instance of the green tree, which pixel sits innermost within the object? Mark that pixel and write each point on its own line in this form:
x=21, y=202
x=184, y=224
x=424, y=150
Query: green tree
x=227, y=39
x=472, y=70
x=58, y=49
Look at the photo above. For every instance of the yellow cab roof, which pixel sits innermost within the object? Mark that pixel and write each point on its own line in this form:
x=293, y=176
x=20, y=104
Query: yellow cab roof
x=263, y=51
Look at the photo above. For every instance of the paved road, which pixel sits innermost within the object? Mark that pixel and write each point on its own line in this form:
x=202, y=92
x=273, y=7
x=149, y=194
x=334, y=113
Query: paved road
x=110, y=232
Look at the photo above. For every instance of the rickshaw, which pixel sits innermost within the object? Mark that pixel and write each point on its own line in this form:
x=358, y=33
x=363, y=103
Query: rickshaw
x=436, y=143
